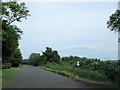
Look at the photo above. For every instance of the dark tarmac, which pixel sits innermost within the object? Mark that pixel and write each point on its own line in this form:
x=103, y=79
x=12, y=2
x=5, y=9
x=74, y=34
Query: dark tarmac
x=33, y=77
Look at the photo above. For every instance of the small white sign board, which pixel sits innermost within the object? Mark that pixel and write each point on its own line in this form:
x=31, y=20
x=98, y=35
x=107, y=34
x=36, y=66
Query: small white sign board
x=78, y=63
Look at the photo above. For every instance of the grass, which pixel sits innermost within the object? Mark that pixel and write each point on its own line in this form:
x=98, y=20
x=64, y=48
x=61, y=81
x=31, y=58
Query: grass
x=85, y=75
x=8, y=74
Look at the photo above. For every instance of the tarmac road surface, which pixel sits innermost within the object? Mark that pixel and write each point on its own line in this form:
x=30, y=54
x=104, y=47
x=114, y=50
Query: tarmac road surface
x=33, y=77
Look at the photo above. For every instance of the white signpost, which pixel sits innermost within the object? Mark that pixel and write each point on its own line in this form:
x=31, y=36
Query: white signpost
x=119, y=36
x=78, y=63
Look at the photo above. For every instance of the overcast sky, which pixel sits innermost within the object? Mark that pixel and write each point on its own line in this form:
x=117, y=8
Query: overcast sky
x=77, y=29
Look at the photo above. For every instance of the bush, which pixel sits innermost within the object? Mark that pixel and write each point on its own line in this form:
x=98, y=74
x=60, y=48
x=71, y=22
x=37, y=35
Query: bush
x=15, y=63
x=35, y=59
x=26, y=62
x=6, y=66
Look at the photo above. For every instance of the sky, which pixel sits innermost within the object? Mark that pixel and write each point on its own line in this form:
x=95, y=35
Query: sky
x=71, y=28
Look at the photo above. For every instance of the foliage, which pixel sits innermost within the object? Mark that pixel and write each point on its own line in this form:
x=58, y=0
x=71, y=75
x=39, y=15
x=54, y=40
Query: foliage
x=48, y=56
x=42, y=60
x=91, y=69
x=70, y=58
x=11, y=12
x=114, y=21
x=51, y=56
x=25, y=61
x=112, y=70
x=6, y=66
x=11, y=35
x=17, y=58
x=33, y=59
x=70, y=71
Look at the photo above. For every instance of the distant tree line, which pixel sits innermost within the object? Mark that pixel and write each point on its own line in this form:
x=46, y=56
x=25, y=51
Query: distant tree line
x=11, y=34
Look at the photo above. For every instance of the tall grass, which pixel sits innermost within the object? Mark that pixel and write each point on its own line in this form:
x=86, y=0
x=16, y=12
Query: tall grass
x=91, y=75
x=82, y=73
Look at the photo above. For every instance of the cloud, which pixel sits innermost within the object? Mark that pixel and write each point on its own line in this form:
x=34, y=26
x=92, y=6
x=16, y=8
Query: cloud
x=89, y=53
x=71, y=28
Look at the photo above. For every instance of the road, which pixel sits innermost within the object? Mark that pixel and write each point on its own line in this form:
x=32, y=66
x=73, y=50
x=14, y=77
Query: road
x=33, y=77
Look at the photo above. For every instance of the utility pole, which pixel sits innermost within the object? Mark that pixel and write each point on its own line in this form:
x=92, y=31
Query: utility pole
x=119, y=36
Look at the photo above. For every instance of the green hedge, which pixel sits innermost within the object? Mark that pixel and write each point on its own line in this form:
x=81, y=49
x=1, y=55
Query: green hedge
x=6, y=66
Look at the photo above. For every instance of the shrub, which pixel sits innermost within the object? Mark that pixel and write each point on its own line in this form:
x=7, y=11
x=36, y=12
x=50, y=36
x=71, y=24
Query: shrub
x=14, y=63
x=6, y=66
x=25, y=62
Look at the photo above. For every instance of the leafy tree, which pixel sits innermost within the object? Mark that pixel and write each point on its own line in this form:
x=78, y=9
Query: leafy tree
x=11, y=35
x=34, y=58
x=48, y=56
x=11, y=12
x=25, y=61
x=114, y=21
x=51, y=56
x=17, y=58
x=42, y=60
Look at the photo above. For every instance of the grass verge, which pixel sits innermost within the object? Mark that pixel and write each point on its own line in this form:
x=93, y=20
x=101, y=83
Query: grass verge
x=86, y=76
x=8, y=74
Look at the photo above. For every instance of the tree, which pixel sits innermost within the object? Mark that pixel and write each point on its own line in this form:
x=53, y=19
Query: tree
x=48, y=56
x=11, y=35
x=34, y=58
x=11, y=12
x=114, y=21
x=114, y=24
x=51, y=56
x=25, y=61
x=17, y=58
